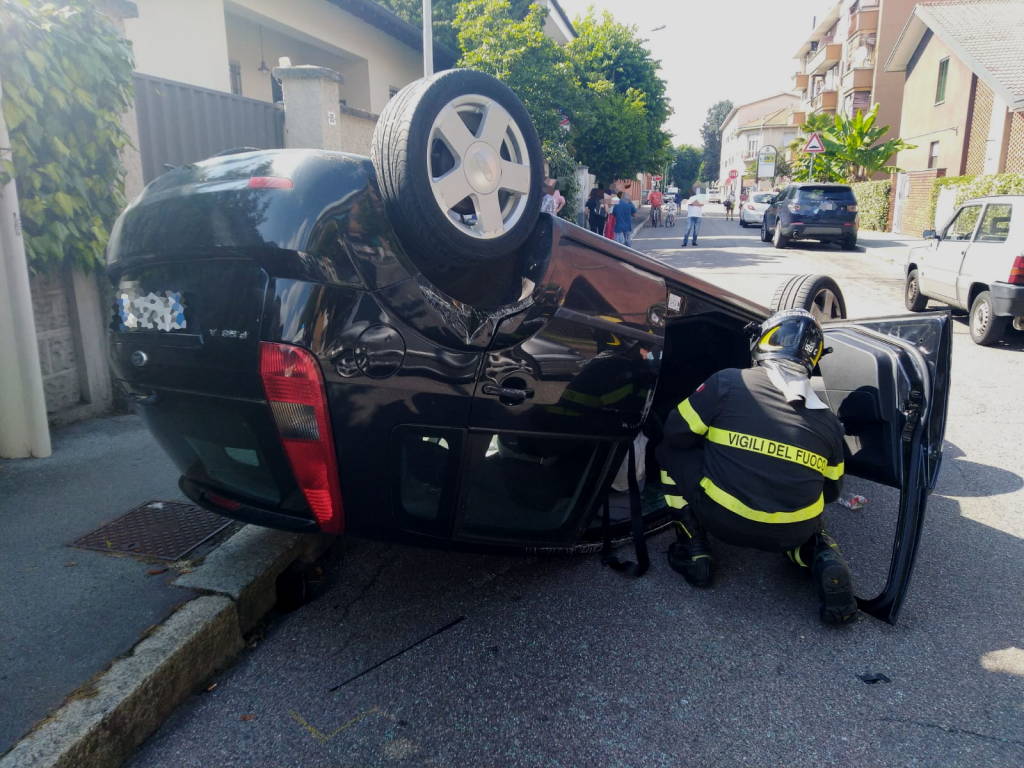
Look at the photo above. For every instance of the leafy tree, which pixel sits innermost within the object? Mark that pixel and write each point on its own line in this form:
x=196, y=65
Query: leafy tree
x=711, y=132
x=622, y=108
x=517, y=52
x=67, y=79
x=686, y=165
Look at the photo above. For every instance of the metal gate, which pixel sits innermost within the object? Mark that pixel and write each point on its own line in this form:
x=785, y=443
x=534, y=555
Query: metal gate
x=180, y=123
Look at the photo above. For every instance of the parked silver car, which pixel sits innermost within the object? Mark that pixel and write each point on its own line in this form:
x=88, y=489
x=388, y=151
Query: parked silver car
x=752, y=209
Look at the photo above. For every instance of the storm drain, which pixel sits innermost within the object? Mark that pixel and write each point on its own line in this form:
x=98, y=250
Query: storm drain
x=167, y=530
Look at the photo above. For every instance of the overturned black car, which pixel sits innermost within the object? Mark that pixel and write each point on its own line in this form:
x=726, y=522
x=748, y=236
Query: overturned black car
x=405, y=346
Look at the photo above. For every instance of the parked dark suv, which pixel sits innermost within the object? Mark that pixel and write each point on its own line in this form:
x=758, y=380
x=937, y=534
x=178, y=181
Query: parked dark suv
x=406, y=347
x=825, y=212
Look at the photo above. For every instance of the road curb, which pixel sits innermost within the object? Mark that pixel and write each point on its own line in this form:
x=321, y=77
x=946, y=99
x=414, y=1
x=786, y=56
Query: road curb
x=102, y=723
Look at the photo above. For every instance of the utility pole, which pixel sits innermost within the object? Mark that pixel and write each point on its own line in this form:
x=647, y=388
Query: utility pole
x=24, y=431
x=428, y=38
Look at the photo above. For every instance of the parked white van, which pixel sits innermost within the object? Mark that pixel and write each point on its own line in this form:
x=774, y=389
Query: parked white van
x=976, y=262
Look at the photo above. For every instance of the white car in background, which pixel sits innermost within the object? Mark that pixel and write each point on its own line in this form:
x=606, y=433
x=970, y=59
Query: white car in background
x=753, y=208
x=976, y=263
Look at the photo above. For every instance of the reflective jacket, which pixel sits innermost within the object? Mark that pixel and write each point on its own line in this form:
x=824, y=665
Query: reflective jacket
x=765, y=459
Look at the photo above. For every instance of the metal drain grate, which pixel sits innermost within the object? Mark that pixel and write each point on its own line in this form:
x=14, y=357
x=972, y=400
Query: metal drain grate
x=167, y=530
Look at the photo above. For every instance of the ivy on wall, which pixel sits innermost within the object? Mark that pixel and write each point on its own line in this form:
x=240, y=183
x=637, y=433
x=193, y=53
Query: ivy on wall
x=873, y=203
x=67, y=79
x=969, y=187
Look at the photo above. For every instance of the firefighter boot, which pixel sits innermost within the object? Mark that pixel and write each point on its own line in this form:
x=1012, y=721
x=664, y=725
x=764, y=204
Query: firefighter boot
x=690, y=555
x=832, y=576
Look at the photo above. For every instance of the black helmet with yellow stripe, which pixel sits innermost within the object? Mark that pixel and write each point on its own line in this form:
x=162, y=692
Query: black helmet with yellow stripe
x=792, y=334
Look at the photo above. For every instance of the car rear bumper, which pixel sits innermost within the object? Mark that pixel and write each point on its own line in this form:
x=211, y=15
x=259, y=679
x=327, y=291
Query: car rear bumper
x=819, y=231
x=1007, y=299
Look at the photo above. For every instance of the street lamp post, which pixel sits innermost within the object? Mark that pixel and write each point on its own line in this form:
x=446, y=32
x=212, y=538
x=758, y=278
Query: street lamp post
x=428, y=39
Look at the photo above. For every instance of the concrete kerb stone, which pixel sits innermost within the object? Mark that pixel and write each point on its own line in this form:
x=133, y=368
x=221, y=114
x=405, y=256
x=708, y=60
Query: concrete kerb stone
x=105, y=721
x=246, y=566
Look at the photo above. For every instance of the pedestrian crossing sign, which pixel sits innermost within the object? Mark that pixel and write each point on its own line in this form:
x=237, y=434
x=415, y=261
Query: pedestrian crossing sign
x=814, y=144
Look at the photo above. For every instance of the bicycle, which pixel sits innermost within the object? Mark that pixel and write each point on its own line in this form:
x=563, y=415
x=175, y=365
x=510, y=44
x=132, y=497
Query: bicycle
x=655, y=217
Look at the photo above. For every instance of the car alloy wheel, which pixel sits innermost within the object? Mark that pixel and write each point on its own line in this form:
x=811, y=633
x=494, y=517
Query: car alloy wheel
x=480, y=176
x=826, y=306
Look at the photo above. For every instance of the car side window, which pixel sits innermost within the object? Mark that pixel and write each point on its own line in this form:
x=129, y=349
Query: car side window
x=995, y=224
x=962, y=225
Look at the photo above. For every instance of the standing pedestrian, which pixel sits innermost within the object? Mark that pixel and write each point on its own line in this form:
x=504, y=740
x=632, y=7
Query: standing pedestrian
x=610, y=201
x=558, y=198
x=655, y=199
x=728, y=203
x=624, y=211
x=694, y=214
x=547, y=203
x=596, y=213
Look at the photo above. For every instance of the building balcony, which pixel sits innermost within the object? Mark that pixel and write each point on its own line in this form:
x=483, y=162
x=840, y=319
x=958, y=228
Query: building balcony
x=800, y=81
x=825, y=101
x=863, y=21
x=826, y=58
x=799, y=118
x=858, y=79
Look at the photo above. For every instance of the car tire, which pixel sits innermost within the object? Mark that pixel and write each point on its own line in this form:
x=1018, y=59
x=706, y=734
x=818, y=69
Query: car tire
x=848, y=243
x=986, y=328
x=779, y=240
x=743, y=223
x=913, y=299
x=458, y=134
x=765, y=237
x=818, y=294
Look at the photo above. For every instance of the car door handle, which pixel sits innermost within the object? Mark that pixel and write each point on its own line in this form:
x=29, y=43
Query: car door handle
x=508, y=395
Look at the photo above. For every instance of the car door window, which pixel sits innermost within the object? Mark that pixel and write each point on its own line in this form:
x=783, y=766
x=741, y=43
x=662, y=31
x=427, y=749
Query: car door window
x=963, y=224
x=995, y=224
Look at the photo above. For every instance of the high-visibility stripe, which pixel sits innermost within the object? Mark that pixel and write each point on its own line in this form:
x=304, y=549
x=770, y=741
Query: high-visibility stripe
x=666, y=478
x=676, y=502
x=597, y=401
x=730, y=502
x=692, y=418
x=784, y=451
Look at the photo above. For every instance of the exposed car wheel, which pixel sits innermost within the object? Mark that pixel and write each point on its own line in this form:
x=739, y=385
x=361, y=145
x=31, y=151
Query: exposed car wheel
x=460, y=169
x=765, y=237
x=743, y=223
x=848, y=243
x=986, y=328
x=913, y=299
x=779, y=240
x=818, y=294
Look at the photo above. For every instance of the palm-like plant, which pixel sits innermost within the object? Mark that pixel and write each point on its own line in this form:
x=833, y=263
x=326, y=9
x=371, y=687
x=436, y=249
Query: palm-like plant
x=851, y=152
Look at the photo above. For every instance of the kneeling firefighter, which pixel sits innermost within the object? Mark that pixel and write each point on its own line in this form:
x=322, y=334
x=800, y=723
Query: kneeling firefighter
x=753, y=456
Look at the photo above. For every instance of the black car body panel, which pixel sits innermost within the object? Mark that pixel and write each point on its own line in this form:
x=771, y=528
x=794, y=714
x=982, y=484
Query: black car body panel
x=495, y=425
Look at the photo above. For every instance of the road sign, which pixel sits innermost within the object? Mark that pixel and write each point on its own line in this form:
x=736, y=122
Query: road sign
x=814, y=144
x=733, y=173
x=656, y=178
x=766, y=159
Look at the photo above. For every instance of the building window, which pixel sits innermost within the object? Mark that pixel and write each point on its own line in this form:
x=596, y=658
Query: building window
x=392, y=92
x=236, y=77
x=751, y=146
x=940, y=84
x=933, y=155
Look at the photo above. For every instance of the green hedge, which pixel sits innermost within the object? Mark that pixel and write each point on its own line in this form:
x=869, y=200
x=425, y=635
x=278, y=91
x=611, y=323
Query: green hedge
x=968, y=187
x=873, y=204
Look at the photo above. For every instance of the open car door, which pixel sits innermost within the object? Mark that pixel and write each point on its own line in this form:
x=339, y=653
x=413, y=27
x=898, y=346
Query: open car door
x=888, y=381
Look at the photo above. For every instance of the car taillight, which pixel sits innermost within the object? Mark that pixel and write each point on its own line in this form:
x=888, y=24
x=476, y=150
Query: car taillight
x=295, y=390
x=1017, y=271
x=751, y=207
x=851, y=208
x=794, y=207
x=270, y=182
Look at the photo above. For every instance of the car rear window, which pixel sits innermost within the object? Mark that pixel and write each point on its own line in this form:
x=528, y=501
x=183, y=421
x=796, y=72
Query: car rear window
x=763, y=197
x=817, y=194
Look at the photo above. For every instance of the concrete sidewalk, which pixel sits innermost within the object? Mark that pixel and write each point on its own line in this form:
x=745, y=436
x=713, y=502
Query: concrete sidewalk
x=99, y=631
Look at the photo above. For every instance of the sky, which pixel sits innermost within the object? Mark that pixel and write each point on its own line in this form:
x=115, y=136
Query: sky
x=711, y=50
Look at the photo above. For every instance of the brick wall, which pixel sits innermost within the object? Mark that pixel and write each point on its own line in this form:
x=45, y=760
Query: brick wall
x=1015, y=147
x=916, y=207
x=981, y=121
x=55, y=333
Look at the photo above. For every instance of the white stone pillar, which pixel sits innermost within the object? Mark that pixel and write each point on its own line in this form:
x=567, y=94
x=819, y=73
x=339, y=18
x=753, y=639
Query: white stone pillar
x=24, y=430
x=311, y=107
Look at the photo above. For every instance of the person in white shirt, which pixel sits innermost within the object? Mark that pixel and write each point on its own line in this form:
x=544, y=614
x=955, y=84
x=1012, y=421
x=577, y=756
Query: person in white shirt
x=694, y=213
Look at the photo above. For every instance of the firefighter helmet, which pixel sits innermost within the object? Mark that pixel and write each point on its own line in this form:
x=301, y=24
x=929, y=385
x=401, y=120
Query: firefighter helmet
x=792, y=334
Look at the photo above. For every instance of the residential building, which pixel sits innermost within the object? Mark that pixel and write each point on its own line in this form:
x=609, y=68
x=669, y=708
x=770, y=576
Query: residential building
x=963, y=98
x=840, y=64
x=747, y=128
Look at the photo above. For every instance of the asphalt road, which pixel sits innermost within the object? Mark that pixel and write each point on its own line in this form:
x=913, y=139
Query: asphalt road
x=561, y=662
